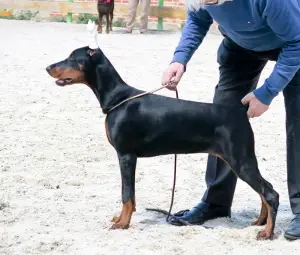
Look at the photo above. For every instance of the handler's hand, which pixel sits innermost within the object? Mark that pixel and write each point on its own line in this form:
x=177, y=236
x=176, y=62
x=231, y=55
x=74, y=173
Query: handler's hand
x=173, y=75
x=256, y=108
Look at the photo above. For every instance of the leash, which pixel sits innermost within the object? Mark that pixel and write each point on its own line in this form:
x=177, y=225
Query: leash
x=173, y=191
x=140, y=95
x=168, y=213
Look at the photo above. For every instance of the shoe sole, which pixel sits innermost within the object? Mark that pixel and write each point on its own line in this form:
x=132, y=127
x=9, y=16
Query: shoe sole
x=175, y=222
x=186, y=223
x=290, y=237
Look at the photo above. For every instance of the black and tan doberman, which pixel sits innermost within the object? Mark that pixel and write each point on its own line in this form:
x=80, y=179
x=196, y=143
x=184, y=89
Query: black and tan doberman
x=154, y=125
x=105, y=8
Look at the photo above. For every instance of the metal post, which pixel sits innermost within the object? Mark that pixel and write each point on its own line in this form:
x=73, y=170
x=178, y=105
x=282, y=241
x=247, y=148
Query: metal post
x=70, y=16
x=160, y=20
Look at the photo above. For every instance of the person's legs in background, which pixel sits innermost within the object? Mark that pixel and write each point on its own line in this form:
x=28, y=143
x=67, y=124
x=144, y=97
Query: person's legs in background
x=145, y=6
x=132, y=7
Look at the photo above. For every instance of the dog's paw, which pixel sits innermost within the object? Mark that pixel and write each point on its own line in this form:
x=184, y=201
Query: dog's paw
x=264, y=235
x=119, y=225
x=259, y=222
x=116, y=219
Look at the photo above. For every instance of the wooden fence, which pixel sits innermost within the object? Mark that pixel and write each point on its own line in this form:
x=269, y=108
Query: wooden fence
x=71, y=7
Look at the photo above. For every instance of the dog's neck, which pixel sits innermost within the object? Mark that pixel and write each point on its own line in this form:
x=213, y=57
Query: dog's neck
x=106, y=83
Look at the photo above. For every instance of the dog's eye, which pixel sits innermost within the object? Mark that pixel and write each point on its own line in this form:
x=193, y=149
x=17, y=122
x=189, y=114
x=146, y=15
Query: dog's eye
x=71, y=58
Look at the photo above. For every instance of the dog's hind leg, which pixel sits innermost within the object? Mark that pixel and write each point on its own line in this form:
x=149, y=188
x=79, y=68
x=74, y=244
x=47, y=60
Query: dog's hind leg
x=127, y=164
x=111, y=19
x=240, y=155
x=247, y=170
x=100, y=24
x=270, y=199
x=107, y=23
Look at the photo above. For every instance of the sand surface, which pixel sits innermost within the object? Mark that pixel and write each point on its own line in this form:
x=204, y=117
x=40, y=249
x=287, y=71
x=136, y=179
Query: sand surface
x=59, y=176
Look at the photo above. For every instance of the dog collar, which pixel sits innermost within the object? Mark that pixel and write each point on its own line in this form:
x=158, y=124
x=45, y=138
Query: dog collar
x=103, y=1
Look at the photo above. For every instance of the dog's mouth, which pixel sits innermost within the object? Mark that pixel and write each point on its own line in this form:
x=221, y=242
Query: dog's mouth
x=63, y=82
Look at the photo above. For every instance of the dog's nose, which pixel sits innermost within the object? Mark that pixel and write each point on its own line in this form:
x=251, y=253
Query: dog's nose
x=48, y=69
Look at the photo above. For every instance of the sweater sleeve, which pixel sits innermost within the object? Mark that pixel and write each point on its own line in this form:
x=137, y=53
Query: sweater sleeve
x=283, y=18
x=193, y=33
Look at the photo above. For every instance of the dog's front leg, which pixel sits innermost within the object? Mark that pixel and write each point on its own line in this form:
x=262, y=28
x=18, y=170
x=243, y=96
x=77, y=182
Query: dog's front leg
x=107, y=23
x=100, y=24
x=127, y=164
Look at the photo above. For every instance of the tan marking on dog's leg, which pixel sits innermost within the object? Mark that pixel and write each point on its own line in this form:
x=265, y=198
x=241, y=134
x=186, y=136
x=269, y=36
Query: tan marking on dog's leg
x=267, y=233
x=134, y=204
x=116, y=219
x=219, y=156
x=262, y=219
x=125, y=217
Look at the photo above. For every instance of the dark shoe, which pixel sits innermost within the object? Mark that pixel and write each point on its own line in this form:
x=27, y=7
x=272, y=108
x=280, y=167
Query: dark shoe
x=143, y=31
x=293, y=230
x=200, y=214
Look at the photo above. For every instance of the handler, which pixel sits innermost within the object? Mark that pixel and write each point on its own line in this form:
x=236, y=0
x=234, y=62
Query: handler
x=255, y=31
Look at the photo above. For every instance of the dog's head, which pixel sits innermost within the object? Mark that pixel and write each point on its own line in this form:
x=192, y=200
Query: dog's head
x=77, y=67
x=73, y=69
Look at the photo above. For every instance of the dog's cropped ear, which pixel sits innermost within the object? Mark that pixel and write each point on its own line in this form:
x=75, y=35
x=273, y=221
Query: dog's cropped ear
x=96, y=56
x=91, y=52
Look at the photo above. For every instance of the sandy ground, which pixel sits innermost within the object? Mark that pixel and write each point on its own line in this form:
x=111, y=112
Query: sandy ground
x=60, y=180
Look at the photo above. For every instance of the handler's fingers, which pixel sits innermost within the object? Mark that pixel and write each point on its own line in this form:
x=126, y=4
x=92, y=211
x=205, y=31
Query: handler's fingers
x=177, y=77
x=246, y=100
x=172, y=86
x=250, y=113
x=167, y=76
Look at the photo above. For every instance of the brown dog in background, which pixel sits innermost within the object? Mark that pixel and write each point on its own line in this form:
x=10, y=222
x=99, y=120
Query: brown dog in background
x=105, y=8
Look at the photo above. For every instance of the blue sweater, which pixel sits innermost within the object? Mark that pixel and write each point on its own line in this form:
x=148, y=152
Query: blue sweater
x=257, y=25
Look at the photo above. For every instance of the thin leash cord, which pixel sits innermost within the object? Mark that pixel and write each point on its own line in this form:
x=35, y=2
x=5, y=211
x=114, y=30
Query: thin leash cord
x=174, y=179
x=173, y=191
x=175, y=157
x=168, y=213
x=136, y=96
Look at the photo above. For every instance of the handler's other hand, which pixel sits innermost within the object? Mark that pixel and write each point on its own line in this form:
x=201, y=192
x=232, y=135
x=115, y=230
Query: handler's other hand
x=173, y=75
x=256, y=108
